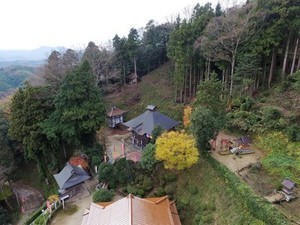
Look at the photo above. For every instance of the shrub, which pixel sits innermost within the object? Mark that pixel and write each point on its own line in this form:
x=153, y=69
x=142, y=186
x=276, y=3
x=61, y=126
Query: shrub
x=270, y=113
x=95, y=154
x=170, y=189
x=192, y=189
x=185, y=201
x=159, y=192
x=140, y=192
x=148, y=160
x=103, y=195
x=293, y=133
x=147, y=183
x=170, y=177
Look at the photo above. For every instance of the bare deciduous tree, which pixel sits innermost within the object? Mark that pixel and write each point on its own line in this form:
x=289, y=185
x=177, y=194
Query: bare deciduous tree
x=224, y=36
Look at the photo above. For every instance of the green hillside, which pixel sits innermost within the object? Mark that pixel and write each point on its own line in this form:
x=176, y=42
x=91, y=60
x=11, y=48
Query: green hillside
x=13, y=77
x=153, y=89
x=207, y=193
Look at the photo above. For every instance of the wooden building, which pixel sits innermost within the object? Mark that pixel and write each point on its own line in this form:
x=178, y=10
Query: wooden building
x=143, y=125
x=134, y=211
x=115, y=116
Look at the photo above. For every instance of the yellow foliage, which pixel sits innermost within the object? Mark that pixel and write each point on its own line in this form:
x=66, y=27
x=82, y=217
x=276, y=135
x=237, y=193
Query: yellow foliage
x=187, y=111
x=53, y=198
x=176, y=150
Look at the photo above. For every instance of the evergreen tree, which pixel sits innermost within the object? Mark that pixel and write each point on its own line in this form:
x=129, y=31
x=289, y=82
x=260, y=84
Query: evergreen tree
x=30, y=107
x=79, y=109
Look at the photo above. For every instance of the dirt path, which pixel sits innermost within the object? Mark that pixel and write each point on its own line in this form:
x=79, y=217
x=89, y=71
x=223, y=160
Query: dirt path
x=233, y=162
x=75, y=219
x=260, y=181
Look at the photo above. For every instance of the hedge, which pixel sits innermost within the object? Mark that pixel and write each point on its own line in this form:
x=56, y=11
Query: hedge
x=257, y=206
x=35, y=214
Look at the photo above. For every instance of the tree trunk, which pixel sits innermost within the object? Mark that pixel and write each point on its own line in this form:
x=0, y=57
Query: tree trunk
x=226, y=78
x=134, y=63
x=64, y=149
x=124, y=74
x=272, y=67
x=208, y=70
x=285, y=57
x=298, y=66
x=195, y=82
x=185, y=84
x=231, y=75
x=264, y=72
x=295, y=54
x=190, y=88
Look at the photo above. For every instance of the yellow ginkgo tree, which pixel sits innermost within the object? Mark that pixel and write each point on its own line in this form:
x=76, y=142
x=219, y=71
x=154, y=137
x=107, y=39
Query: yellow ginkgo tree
x=177, y=150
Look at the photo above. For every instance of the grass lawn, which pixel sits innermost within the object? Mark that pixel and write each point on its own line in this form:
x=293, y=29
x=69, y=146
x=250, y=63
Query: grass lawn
x=203, y=197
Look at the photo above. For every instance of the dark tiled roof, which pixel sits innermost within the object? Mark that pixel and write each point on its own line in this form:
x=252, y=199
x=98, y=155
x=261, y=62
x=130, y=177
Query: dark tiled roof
x=288, y=184
x=70, y=176
x=145, y=123
x=243, y=140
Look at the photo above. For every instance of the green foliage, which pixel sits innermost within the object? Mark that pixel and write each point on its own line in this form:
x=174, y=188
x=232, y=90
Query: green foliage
x=209, y=95
x=35, y=214
x=159, y=192
x=29, y=108
x=170, y=189
x=123, y=171
x=244, y=121
x=293, y=132
x=205, y=125
x=294, y=79
x=170, y=177
x=105, y=172
x=7, y=146
x=192, y=189
x=13, y=76
x=118, y=174
x=95, y=154
x=262, y=211
x=271, y=113
x=79, y=109
x=248, y=68
x=103, y=195
x=244, y=103
x=148, y=160
x=283, y=157
x=157, y=131
x=144, y=182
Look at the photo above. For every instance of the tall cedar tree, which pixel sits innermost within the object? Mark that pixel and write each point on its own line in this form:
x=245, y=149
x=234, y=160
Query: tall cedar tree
x=29, y=107
x=79, y=109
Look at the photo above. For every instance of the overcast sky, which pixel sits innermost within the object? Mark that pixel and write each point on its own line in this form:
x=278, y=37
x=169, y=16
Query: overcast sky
x=29, y=24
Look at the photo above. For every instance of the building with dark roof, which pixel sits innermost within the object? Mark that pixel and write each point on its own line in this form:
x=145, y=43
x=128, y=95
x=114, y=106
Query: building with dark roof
x=70, y=176
x=115, y=116
x=143, y=125
x=132, y=210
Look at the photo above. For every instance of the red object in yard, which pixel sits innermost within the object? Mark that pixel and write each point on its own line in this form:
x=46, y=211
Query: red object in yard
x=225, y=143
x=79, y=160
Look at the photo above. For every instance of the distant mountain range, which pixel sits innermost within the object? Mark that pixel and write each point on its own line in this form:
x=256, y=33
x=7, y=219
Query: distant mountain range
x=39, y=54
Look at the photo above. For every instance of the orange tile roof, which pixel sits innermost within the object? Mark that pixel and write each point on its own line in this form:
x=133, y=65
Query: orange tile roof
x=132, y=210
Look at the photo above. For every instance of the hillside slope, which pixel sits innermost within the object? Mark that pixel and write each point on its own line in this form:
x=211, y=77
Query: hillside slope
x=153, y=89
x=203, y=193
